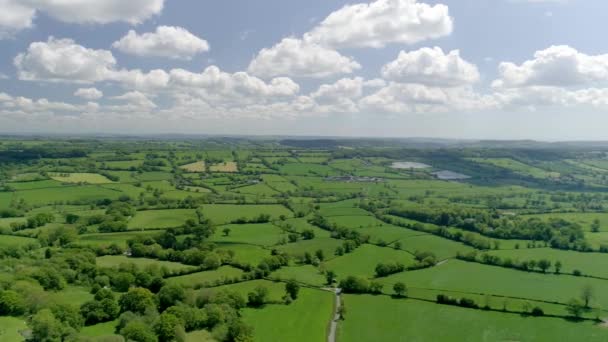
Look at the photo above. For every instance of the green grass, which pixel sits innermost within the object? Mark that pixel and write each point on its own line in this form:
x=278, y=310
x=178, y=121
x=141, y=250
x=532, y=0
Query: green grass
x=369, y=317
x=363, y=260
x=305, y=319
x=122, y=164
x=5, y=199
x=101, y=329
x=463, y=276
x=73, y=295
x=10, y=328
x=116, y=260
x=148, y=219
x=199, y=336
x=327, y=245
x=588, y=263
x=596, y=240
x=206, y=278
x=260, y=189
x=264, y=234
x=226, y=213
x=276, y=290
x=246, y=254
x=106, y=239
x=302, y=169
x=34, y=184
x=16, y=241
x=517, y=166
x=90, y=178
x=307, y=274
x=584, y=219
x=66, y=194
x=442, y=248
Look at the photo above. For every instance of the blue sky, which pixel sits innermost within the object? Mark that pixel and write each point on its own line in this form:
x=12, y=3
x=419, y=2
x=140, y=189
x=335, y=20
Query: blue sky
x=500, y=69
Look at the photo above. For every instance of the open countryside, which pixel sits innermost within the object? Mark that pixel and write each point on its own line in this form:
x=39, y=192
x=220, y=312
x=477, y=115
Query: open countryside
x=305, y=248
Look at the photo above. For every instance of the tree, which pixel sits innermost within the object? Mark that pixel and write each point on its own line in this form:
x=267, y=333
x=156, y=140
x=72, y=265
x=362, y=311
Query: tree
x=330, y=276
x=45, y=327
x=138, y=331
x=308, y=234
x=400, y=289
x=544, y=265
x=258, y=296
x=167, y=326
x=50, y=279
x=292, y=288
x=575, y=307
x=170, y=295
x=398, y=245
x=320, y=255
x=375, y=287
x=137, y=300
x=212, y=261
x=12, y=303
x=587, y=294
x=226, y=231
x=557, y=266
x=239, y=331
x=355, y=284
x=595, y=226
x=68, y=315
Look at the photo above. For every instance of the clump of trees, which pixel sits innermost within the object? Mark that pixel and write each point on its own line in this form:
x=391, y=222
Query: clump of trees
x=558, y=233
x=358, y=284
x=541, y=265
x=386, y=269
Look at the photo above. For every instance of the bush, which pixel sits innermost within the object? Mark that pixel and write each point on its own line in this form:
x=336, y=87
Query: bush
x=536, y=311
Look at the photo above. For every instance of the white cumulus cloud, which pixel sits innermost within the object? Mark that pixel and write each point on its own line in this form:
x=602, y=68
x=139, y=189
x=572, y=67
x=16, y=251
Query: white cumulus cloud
x=64, y=60
x=555, y=66
x=17, y=15
x=89, y=93
x=298, y=58
x=382, y=22
x=167, y=41
x=431, y=66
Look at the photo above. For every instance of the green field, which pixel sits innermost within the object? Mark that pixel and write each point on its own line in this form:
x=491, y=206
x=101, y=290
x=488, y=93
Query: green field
x=161, y=218
x=303, y=320
x=482, y=279
x=117, y=260
x=363, y=261
x=252, y=204
x=10, y=328
x=264, y=234
x=368, y=317
x=225, y=213
x=206, y=277
x=89, y=178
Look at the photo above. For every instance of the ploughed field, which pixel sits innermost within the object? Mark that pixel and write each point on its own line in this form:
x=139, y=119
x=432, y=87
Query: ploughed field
x=237, y=240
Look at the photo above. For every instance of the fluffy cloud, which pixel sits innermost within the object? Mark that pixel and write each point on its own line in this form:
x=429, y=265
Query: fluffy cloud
x=382, y=22
x=406, y=98
x=23, y=105
x=299, y=58
x=219, y=87
x=559, y=66
x=431, y=66
x=64, y=60
x=17, y=15
x=99, y=12
x=137, y=100
x=167, y=41
x=340, y=96
x=14, y=16
x=89, y=93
